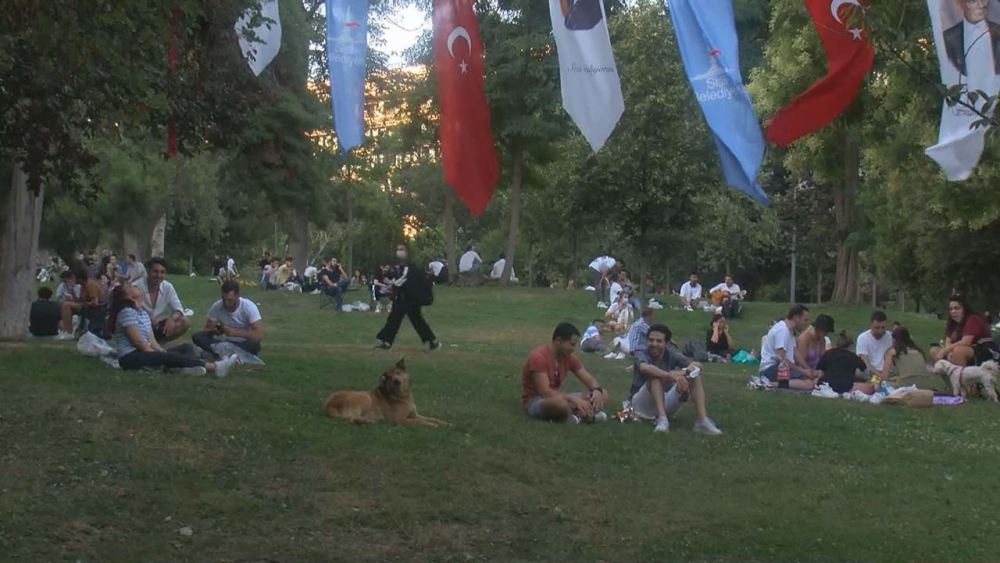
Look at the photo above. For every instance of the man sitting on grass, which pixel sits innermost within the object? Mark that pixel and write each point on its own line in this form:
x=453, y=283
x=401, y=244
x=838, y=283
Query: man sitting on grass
x=161, y=303
x=43, y=320
x=542, y=376
x=591, y=341
x=778, y=349
x=873, y=344
x=663, y=379
x=235, y=319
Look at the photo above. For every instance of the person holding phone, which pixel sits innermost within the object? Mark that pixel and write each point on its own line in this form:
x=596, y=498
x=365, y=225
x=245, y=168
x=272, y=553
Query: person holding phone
x=232, y=319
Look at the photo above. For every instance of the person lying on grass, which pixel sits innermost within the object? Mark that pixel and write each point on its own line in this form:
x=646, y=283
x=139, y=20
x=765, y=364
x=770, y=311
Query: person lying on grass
x=542, y=376
x=663, y=380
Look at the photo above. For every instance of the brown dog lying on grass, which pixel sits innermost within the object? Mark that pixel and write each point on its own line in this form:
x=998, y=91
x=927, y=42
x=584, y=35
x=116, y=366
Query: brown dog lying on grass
x=391, y=400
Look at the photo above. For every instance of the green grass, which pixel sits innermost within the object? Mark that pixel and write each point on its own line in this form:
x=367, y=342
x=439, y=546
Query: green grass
x=102, y=465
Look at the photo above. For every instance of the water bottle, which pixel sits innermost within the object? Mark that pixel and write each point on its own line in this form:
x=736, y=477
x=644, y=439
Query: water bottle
x=783, y=374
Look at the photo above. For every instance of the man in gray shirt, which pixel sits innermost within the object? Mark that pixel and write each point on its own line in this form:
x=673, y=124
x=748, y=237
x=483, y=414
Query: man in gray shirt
x=663, y=379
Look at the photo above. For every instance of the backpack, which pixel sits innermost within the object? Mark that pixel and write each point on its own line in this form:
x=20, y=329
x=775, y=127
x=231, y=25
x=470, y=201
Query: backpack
x=696, y=350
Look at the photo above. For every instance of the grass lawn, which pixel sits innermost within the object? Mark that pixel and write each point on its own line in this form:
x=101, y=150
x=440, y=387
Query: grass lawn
x=102, y=465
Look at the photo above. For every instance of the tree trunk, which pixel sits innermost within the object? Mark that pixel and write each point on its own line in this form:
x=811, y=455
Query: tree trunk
x=449, y=230
x=845, y=290
x=819, y=285
x=515, y=211
x=158, y=239
x=874, y=291
x=350, y=229
x=17, y=256
x=298, y=242
x=133, y=243
x=574, y=266
x=531, y=266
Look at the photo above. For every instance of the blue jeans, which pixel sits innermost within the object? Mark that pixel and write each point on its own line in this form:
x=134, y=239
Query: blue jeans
x=337, y=291
x=771, y=373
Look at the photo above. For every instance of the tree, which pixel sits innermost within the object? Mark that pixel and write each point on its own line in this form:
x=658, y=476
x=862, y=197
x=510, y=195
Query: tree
x=61, y=85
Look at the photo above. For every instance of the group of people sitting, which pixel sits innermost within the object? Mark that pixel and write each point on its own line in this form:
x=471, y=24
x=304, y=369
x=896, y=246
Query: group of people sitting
x=470, y=268
x=797, y=355
x=663, y=380
x=143, y=315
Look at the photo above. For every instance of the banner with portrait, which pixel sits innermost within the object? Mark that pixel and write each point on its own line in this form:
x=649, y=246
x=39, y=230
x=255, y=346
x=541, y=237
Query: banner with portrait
x=967, y=35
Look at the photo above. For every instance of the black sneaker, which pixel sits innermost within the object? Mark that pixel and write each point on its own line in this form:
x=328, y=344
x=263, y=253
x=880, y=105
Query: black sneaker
x=383, y=346
x=435, y=345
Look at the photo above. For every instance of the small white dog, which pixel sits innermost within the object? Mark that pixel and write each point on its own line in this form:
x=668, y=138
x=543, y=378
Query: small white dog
x=961, y=377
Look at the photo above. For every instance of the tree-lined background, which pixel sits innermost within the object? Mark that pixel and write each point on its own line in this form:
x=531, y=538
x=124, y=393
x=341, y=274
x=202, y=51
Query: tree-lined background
x=87, y=95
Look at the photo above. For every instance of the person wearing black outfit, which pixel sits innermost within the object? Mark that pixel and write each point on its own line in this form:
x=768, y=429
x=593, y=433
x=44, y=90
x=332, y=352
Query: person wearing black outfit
x=43, y=320
x=411, y=290
x=842, y=369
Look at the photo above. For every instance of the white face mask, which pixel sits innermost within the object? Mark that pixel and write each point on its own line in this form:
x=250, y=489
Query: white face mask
x=401, y=254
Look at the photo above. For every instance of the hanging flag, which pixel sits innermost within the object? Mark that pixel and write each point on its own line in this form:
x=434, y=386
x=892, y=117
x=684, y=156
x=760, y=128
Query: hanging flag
x=467, y=152
x=968, y=45
x=706, y=36
x=849, y=55
x=347, y=48
x=260, y=53
x=591, y=92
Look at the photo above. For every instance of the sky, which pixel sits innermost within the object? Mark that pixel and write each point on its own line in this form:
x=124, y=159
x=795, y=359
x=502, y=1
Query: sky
x=402, y=30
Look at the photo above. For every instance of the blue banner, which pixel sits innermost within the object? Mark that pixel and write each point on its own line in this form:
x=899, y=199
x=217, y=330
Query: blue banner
x=706, y=36
x=347, y=48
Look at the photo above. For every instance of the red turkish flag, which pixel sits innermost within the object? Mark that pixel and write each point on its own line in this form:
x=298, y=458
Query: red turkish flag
x=849, y=56
x=467, y=151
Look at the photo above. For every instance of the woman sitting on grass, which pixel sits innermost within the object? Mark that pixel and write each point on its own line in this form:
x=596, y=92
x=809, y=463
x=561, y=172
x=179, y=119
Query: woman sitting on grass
x=905, y=363
x=814, y=341
x=842, y=369
x=967, y=341
x=718, y=342
x=138, y=348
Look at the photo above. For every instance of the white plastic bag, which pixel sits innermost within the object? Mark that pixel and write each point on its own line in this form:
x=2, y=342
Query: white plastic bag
x=91, y=345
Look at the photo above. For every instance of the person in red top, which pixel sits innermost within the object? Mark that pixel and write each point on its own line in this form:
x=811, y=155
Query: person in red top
x=967, y=341
x=543, y=374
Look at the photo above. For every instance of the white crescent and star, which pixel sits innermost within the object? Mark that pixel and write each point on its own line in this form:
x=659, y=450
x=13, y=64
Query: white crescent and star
x=835, y=10
x=455, y=34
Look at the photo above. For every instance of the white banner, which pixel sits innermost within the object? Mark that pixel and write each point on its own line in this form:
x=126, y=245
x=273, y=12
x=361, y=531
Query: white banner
x=591, y=91
x=967, y=36
x=268, y=33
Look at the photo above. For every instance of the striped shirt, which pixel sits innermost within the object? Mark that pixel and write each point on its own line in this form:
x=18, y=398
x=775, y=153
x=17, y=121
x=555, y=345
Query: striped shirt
x=638, y=333
x=131, y=317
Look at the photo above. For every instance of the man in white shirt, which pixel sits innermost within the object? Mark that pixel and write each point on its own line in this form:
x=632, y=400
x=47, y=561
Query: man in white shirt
x=439, y=271
x=231, y=272
x=731, y=302
x=873, y=343
x=160, y=301
x=136, y=272
x=68, y=289
x=691, y=292
x=600, y=270
x=498, y=267
x=779, y=349
x=973, y=44
x=235, y=319
x=469, y=266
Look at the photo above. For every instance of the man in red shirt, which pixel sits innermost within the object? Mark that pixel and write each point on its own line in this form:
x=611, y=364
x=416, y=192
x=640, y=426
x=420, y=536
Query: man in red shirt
x=545, y=370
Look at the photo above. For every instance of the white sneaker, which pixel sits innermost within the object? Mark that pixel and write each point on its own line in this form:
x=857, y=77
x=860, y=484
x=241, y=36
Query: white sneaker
x=662, y=425
x=688, y=308
x=222, y=367
x=610, y=356
x=706, y=426
x=620, y=356
x=64, y=336
x=573, y=419
x=756, y=383
x=601, y=416
x=602, y=305
x=825, y=391
x=195, y=371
